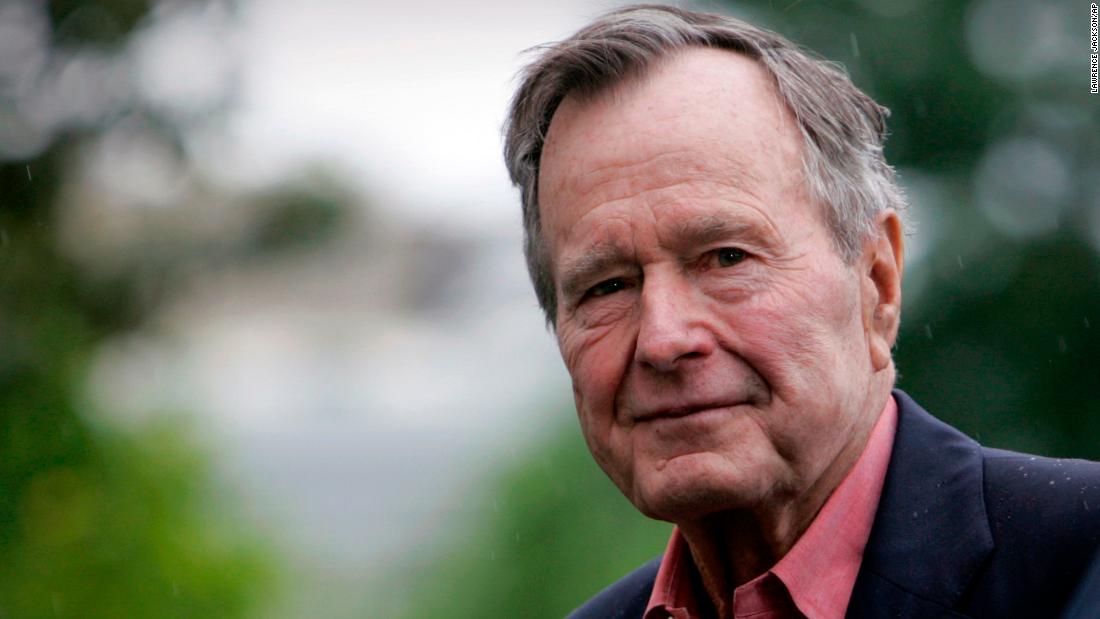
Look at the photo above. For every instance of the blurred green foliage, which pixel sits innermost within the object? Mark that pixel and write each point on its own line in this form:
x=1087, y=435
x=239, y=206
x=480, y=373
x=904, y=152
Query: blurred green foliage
x=296, y=216
x=1013, y=367
x=122, y=526
x=84, y=22
x=998, y=328
x=98, y=520
x=554, y=530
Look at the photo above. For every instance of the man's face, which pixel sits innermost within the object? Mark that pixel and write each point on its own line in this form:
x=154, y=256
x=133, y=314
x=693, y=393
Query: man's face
x=716, y=340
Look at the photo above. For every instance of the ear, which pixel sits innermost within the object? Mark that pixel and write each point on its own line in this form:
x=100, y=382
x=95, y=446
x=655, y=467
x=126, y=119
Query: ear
x=881, y=267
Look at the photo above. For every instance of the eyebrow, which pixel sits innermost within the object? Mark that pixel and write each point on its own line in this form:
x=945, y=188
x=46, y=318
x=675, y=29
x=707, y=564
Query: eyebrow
x=706, y=229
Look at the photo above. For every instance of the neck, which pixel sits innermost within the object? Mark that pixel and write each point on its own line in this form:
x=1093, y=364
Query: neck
x=732, y=547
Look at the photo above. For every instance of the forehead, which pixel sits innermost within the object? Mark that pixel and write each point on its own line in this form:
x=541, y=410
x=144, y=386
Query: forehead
x=701, y=121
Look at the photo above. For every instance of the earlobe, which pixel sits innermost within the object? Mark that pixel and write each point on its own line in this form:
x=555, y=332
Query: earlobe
x=883, y=334
x=882, y=292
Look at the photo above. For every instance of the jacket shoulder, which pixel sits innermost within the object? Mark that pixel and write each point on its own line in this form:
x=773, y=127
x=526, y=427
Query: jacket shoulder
x=626, y=598
x=1051, y=502
x=1044, y=514
x=985, y=532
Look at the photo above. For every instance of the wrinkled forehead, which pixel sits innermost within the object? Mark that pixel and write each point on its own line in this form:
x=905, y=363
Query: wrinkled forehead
x=702, y=112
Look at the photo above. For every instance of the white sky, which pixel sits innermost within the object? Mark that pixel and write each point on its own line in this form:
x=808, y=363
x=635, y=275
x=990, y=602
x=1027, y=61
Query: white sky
x=408, y=96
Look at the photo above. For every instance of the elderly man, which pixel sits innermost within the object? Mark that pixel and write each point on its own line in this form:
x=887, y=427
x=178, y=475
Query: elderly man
x=717, y=243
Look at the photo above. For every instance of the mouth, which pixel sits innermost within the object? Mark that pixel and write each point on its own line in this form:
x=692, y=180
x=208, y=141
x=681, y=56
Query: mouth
x=677, y=412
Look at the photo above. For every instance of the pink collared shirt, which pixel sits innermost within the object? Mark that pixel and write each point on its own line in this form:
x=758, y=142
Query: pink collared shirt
x=815, y=578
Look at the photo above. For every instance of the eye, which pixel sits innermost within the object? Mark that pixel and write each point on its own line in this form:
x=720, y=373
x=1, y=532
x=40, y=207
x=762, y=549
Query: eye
x=729, y=256
x=606, y=287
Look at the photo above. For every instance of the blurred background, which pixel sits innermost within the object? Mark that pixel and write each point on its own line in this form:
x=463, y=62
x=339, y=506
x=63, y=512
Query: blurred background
x=267, y=347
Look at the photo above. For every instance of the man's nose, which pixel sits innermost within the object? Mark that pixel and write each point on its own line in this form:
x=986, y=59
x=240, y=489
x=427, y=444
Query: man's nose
x=672, y=328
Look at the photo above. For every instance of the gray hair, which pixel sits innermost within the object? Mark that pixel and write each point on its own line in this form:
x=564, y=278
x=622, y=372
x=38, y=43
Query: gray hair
x=843, y=129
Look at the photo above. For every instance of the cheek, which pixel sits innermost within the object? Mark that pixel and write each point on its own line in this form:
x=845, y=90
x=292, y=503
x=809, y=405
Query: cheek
x=596, y=360
x=796, y=336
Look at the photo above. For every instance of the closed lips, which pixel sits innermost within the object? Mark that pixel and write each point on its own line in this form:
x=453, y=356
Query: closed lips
x=672, y=412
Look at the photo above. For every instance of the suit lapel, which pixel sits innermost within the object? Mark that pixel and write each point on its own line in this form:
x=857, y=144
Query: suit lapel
x=931, y=532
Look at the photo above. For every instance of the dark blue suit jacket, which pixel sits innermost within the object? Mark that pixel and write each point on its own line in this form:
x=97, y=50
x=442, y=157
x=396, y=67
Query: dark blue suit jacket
x=961, y=531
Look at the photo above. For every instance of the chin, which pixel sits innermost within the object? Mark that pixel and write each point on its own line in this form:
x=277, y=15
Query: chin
x=680, y=508
x=683, y=491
